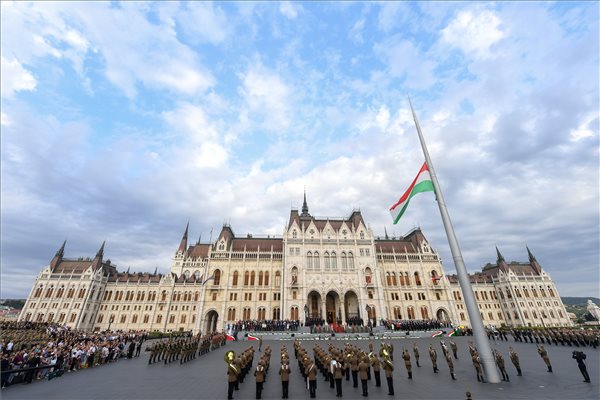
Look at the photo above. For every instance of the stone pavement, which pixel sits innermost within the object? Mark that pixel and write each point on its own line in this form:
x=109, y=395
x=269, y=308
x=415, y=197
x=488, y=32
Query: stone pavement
x=205, y=377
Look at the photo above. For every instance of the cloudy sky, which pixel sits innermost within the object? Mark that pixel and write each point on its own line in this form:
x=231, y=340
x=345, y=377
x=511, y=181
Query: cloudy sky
x=122, y=121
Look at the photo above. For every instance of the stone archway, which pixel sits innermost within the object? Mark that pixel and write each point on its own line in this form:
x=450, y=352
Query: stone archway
x=211, y=320
x=442, y=315
x=332, y=307
x=351, y=308
x=314, y=305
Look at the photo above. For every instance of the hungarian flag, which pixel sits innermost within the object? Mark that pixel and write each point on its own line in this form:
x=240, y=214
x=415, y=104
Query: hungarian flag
x=421, y=183
x=250, y=337
x=230, y=338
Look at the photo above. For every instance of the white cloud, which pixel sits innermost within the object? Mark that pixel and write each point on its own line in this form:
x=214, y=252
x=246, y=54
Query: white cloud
x=356, y=33
x=15, y=78
x=203, y=22
x=474, y=32
x=267, y=96
x=289, y=9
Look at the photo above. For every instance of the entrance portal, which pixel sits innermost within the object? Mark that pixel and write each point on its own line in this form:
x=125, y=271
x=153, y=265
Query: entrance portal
x=314, y=305
x=442, y=315
x=332, y=305
x=212, y=317
x=351, y=310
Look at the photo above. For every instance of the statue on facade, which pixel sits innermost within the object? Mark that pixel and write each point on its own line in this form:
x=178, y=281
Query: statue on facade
x=593, y=310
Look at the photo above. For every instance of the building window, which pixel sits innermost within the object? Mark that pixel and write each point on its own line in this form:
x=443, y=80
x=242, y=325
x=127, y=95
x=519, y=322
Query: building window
x=252, y=278
x=277, y=278
x=231, y=314
x=235, y=278
x=246, y=315
x=246, y=278
x=411, y=312
x=424, y=313
x=158, y=319
x=214, y=296
x=172, y=319
x=276, y=313
x=294, y=314
x=294, y=234
x=217, y=276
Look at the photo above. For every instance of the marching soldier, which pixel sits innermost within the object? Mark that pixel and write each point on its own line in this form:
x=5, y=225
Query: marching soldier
x=579, y=356
x=259, y=373
x=544, y=354
x=416, y=351
x=232, y=378
x=450, y=366
x=500, y=364
x=337, y=375
x=389, y=376
x=454, y=348
x=472, y=349
x=433, y=356
x=354, y=366
x=376, y=364
x=514, y=357
x=284, y=371
x=477, y=364
x=407, y=364
x=311, y=373
x=362, y=369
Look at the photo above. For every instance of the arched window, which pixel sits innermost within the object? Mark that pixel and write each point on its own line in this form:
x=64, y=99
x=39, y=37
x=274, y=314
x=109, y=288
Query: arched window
x=217, y=275
x=261, y=313
x=163, y=295
x=260, y=279
x=294, y=276
x=550, y=292
x=235, y=278
x=276, y=313
x=417, y=279
x=246, y=313
x=326, y=262
x=252, y=279
x=333, y=261
x=435, y=277
x=397, y=312
x=362, y=235
x=246, y=278
x=277, y=278
x=388, y=279
x=424, y=313
x=411, y=312
x=344, y=262
x=196, y=295
x=49, y=291
x=394, y=281
x=350, y=261
x=294, y=234
x=186, y=273
x=368, y=276
x=60, y=292
x=231, y=314
x=294, y=314
x=100, y=318
x=134, y=319
x=197, y=275
x=309, y=261
x=267, y=278
x=316, y=261
x=407, y=279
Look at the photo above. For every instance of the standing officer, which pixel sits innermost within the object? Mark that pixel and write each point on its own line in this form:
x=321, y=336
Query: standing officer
x=284, y=371
x=477, y=364
x=500, y=364
x=407, y=364
x=433, y=356
x=544, y=354
x=362, y=369
x=232, y=378
x=259, y=373
x=454, y=348
x=416, y=351
x=514, y=357
x=389, y=376
x=580, y=356
x=354, y=367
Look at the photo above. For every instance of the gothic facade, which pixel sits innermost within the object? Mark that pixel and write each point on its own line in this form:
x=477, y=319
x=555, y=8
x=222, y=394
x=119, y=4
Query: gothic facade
x=331, y=269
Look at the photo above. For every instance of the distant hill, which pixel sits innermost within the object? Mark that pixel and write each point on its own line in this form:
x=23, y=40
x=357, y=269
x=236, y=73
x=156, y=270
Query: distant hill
x=14, y=303
x=576, y=301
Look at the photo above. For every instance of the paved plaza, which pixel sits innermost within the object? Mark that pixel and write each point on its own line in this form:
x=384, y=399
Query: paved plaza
x=205, y=377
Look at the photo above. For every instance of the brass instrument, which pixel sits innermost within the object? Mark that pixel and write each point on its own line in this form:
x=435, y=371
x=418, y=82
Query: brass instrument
x=228, y=358
x=385, y=355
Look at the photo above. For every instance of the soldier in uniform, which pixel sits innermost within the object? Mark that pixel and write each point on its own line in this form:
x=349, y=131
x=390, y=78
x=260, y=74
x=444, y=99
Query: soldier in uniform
x=501, y=366
x=477, y=364
x=472, y=349
x=389, y=376
x=311, y=373
x=454, y=348
x=354, y=366
x=514, y=357
x=450, y=366
x=285, y=371
x=416, y=351
x=232, y=378
x=376, y=364
x=579, y=356
x=239, y=366
x=433, y=356
x=544, y=354
x=407, y=364
x=259, y=373
x=337, y=376
x=362, y=369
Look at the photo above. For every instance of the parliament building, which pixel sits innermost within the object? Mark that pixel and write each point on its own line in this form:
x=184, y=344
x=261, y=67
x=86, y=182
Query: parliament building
x=330, y=269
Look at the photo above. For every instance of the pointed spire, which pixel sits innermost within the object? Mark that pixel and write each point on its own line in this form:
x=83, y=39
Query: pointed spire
x=100, y=252
x=128, y=270
x=304, y=206
x=199, y=239
x=386, y=234
x=183, y=244
x=500, y=258
x=61, y=252
x=155, y=270
x=530, y=254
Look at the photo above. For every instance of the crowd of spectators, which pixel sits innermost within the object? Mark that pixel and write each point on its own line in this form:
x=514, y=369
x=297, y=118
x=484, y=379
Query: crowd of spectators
x=415, y=324
x=264, y=325
x=27, y=346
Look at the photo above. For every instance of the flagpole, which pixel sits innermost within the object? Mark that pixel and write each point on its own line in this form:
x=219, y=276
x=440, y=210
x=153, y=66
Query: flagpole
x=483, y=345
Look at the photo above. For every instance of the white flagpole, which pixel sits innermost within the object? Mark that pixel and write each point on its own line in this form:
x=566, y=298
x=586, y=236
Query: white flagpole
x=483, y=345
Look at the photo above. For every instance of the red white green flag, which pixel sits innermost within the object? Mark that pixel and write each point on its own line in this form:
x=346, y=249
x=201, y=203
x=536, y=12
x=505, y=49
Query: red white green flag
x=421, y=183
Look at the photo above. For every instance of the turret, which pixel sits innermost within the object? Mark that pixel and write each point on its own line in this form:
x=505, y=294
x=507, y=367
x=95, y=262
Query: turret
x=97, y=263
x=58, y=256
x=533, y=262
x=183, y=244
x=305, y=207
x=500, y=261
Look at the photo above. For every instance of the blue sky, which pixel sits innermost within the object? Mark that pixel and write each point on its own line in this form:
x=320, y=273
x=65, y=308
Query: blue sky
x=122, y=121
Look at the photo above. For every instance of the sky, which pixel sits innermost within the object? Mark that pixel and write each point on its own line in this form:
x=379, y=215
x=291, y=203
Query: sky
x=121, y=122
